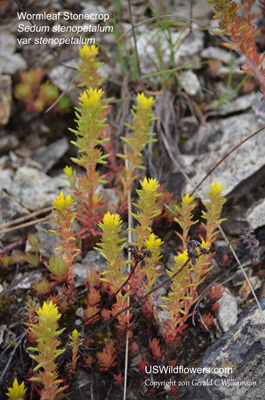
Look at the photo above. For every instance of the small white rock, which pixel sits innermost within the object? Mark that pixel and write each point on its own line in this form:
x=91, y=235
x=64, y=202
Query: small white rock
x=33, y=188
x=8, y=42
x=227, y=312
x=190, y=83
x=216, y=54
x=256, y=215
x=162, y=316
x=28, y=281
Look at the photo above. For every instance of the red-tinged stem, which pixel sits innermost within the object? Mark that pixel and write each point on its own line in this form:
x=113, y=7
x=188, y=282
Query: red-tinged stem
x=115, y=294
x=138, y=302
x=90, y=179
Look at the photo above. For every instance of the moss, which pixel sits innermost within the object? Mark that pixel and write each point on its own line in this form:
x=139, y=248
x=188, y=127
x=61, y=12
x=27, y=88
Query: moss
x=5, y=303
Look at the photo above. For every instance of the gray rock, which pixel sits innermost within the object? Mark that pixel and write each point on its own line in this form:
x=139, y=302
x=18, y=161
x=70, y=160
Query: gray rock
x=239, y=277
x=259, y=109
x=24, y=152
x=162, y=316
x=80, y=312
x=4, y=160
x=10, y=210
x=8, y=143
x=11, y=63
x=242, y=349
x=93, y=259
x=235, y=222
x=189, y=48
x=5, y=98
x=16, y=162
x=47, y=156
x=161, y=291
x=92, y=8
x=110, y=197
x=6, y=179
x=242, y=103
x=188, y=125
x=61, y=77
x=8, y=42
x=149, y=43
x=256, y=215
x=48, y=242
x=190, y=83
x=227, y=311
x=28, y=280
x=6, y=336
x=244, y=163
x=63, y=183
x=213, y=53
x=33, y=188
x=200, y=9
x=224, y=71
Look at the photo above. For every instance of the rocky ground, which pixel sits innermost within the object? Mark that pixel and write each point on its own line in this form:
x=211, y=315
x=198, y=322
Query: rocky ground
x=201, y=117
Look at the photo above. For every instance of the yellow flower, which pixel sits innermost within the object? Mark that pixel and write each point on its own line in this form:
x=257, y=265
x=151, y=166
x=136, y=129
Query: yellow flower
x=91, y=97
x=187, y=199
x=75, y=334
x=68, y=171
x=215, y=188
x=153, y=242
x=111, y=220
x=60, y=202
x=88, y=51
x=181, y=258
x=205, y=245
x=48, y=311
x=145, y=102
x=17, y=391
x=149, y=185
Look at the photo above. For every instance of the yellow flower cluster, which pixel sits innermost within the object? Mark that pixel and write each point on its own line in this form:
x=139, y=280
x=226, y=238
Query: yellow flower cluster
x=187, y=199
x=59, y=203
x=149, y=185
x=91, y=97
x=205, y=245
x=48, y=312
x=75, y=340
x=75, y=334
x=16, y=392
x=111, y=220
x=145, y=102
x=181, y=258
x=215, y=188
x=153, y=242
x=68, y=171
x=88, y=51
